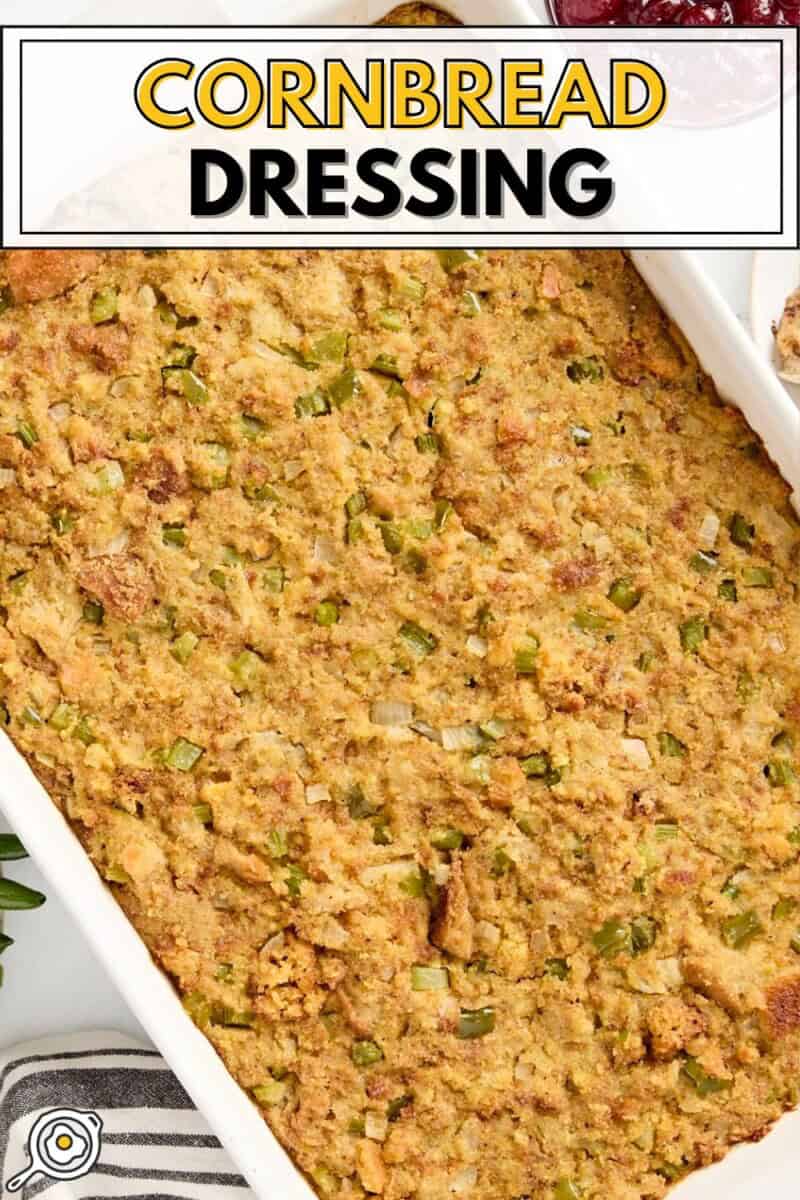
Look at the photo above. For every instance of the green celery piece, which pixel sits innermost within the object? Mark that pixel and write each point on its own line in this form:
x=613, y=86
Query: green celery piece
x=447, y=839
x=585, y=370
x=104, y=305
x=366, y=1053
x=612, y=938
x=344, y=388
x=453, y=260
x=704, y=562
x=670, y=746
x=624, y=595
x=742, y=532
x=429, y=979
x=420, y=641
x=738, y=930
x=703, y=1083
x=475, y=1023
x=693, y=632
x=326, y=613
x=184, y=755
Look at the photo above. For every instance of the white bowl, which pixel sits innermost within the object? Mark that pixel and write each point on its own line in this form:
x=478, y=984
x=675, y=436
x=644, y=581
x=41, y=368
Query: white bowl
x=776, y=273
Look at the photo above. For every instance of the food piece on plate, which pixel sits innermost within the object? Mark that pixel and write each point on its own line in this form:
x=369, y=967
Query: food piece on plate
x=418, y=14
x=423, y=678
x=787, y=337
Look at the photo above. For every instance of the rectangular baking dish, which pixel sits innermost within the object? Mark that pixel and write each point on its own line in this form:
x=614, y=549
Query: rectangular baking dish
x=750, y=1172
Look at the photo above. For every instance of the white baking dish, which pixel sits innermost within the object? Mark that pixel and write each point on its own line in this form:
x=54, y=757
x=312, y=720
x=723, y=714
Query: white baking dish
x=750, y=1172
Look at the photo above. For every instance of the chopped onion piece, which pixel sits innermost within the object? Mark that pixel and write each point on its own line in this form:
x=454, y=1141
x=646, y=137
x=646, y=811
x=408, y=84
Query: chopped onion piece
x=393, y=872
x=115, y=546
x=671, y=973
x=441, y=874
x=274, y=945
x=7, y=477
x=776, y=643
x=391, y=712
x=292, y=469
x=427, y=731
x=376, y=1126
x=324, y=550
x=480, y=766
x=636, y=750
x=122, y=386
x=487, y=936
x=461, y=737
x=477, y=646
x=59, y=413
x=147, y=296
x=317, y=793
x=707, y=533
x=523, y=1072
x=464, y=1181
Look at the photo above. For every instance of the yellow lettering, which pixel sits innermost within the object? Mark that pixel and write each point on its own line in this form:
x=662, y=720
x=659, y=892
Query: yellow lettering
x=516, y=93
x=414, y=104
x=623, y=116
x=468, y=85
x=147, y=87
x=576, y=96
x=290, y=85
x=343, y=87
x=206, y=93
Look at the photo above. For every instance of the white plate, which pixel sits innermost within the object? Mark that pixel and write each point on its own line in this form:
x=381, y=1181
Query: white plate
x=365, y=12
x=776, y=273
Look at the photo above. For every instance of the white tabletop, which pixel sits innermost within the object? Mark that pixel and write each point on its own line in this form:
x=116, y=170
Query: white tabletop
x=74, y=992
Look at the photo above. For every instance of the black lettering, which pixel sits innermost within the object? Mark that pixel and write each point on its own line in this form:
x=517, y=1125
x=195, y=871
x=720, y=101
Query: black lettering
x=264, y=186
x=320, y=182
x=600, y=191
x=391, y=197
x=202, y=205
x=501, y=174
x=444, y=192
x=470, y=172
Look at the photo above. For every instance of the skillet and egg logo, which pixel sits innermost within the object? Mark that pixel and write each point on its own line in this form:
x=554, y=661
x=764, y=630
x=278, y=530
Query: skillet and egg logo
x=64, y=1144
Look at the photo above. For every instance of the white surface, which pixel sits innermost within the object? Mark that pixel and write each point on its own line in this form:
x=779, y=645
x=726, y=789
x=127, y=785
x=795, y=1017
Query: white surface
x=78, y=994
x=775, y=276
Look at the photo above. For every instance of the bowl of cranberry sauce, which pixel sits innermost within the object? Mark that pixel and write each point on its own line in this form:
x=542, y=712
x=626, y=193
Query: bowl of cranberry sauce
x=698, y=13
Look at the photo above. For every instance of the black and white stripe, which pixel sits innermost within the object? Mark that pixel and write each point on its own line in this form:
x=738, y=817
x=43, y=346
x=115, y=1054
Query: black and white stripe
x=155, y=1145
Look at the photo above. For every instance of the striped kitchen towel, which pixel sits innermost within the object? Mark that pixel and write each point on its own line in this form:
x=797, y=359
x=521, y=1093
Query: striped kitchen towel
x=92, y=1115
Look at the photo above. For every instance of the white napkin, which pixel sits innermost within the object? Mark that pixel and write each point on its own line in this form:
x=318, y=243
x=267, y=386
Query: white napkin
x=92, y=1115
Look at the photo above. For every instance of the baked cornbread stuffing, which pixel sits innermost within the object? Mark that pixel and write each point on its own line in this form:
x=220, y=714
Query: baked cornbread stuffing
x=412, y=640
x=418, y=14
x=787, y=336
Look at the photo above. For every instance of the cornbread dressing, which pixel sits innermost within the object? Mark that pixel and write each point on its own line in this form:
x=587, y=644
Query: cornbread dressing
x=417, y=14
x=411, y=639
x=787, y=336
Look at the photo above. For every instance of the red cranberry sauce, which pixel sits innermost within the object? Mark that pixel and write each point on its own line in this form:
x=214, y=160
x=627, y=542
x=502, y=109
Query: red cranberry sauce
x=677, y=12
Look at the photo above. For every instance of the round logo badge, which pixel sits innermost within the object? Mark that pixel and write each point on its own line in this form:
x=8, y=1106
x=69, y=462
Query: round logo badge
x=63, y=1144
